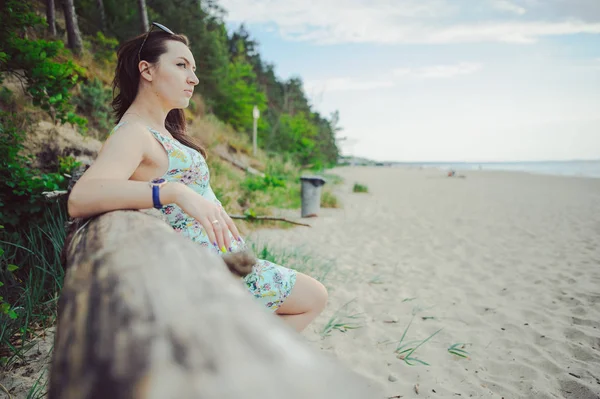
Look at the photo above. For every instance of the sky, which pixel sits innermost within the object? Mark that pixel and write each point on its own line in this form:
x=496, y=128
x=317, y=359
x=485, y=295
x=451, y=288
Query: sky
x=441, y=80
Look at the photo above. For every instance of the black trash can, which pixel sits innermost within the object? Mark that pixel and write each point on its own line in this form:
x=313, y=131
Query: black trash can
x=311, y=195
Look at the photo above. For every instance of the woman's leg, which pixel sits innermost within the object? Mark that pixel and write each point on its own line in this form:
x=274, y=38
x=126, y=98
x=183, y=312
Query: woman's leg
x=306, y=301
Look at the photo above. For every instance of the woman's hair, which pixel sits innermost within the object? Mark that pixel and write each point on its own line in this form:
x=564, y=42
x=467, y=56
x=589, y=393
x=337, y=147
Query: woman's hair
x=127, y=80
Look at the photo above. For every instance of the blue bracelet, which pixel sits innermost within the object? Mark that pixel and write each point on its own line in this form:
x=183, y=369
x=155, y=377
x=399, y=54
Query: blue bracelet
x=155, y=198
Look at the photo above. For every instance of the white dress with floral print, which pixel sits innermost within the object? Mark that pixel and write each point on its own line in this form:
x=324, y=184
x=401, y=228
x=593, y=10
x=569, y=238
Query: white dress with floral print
x=268, y=282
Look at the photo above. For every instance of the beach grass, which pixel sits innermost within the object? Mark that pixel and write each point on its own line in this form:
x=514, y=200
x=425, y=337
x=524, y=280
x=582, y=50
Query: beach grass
x=406, y=349
x=343, y=320
x=39, y=388
x=296, y=259
x=32, y=275
x=360, y=188
x=457, y=349
x=329, y=200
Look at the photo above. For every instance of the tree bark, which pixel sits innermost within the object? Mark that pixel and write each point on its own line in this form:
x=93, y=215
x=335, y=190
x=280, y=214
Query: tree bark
x=102, y=16
x=147, y=313
x=73, y=35
x=143, y=15
x=50, y=17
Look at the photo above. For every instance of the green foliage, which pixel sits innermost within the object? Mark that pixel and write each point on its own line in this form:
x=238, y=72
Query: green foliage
x=105, y=48
x=6, y=96
x=21, y=185
x=296, y=135
x=240, y=95
x=48, y=81
x=258, y=183
x=6, y=310
x=359, y=188
x=329, y=200
x=94, y=100
x=67, y=164
x=31, y=275
x=281, y=190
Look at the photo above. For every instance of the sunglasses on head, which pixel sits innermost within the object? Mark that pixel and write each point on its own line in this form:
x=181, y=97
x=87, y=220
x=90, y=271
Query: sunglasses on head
x=159, y=26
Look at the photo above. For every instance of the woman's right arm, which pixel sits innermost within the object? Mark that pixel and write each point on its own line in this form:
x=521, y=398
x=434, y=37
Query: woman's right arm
x=105, y=186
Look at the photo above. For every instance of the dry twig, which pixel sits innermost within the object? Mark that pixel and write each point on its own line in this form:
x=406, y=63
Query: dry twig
x=250, y=218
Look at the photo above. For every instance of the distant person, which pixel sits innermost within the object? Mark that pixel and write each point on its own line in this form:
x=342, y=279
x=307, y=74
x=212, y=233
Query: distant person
x=149, y=161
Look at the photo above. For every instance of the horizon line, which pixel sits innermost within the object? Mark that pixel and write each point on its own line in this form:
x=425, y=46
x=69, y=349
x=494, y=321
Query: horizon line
x=479, y=162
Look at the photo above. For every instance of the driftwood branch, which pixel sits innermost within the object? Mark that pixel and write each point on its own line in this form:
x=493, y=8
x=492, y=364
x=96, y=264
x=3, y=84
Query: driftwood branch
x=147, y=313
x=251, y=218
x=241, y=165
x=54, y=194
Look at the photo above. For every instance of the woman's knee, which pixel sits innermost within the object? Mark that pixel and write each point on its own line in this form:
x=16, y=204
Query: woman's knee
x=308, y=295
x=320, y=296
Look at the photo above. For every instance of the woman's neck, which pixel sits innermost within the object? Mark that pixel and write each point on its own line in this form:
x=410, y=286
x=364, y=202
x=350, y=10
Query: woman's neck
x=148, y=109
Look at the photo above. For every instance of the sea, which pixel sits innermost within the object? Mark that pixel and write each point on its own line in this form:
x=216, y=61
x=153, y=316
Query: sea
x=557, y=168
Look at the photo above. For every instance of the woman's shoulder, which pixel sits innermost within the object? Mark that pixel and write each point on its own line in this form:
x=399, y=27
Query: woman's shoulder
x=130, y=129
x=130, y=133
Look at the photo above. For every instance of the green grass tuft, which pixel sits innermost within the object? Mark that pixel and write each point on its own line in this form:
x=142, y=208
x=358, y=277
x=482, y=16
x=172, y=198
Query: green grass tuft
x=342, y=320
x=359, y=188
x=458, y=350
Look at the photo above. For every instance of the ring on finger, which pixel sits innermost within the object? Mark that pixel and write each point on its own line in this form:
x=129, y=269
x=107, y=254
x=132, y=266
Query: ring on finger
x=215, y=221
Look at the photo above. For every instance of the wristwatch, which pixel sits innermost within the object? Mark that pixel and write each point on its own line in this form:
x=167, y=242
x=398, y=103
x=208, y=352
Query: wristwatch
x=156, y=184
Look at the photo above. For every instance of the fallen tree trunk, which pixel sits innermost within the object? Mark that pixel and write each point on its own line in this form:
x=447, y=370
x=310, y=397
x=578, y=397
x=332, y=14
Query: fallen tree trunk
x=240, y=165
x=146, y=313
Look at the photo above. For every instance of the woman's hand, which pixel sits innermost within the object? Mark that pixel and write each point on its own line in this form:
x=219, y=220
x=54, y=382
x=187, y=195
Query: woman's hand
x=211, y=216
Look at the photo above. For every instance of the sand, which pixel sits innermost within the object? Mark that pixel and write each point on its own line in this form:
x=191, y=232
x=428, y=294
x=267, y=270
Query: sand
x=506, y=263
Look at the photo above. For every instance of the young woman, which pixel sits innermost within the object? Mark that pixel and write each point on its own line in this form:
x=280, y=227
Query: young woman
x=148, y=160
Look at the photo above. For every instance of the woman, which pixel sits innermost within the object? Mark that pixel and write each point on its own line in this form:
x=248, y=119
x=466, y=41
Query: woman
x=148, y=160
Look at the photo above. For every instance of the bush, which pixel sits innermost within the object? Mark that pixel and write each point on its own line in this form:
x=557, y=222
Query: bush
x=359, y=188
x=21, y=185
x=94, y=101
x=257, y=183
x=329, y=200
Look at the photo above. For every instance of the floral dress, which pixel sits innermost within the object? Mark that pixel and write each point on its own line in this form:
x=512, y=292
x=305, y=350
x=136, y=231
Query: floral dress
x=269, y=283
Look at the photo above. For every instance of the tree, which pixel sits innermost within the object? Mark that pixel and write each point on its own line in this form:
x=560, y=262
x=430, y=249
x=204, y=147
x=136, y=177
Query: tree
x=102, y=15
x=50, y=18
x=73, y=35
x=143, y=15
x=240, y=94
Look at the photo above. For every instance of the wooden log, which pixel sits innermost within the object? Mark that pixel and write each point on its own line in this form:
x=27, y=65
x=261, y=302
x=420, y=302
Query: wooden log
x=147, y=313
x=240, y=164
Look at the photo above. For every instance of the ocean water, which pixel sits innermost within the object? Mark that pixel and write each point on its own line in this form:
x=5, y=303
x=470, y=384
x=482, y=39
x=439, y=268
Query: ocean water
x=558, y=168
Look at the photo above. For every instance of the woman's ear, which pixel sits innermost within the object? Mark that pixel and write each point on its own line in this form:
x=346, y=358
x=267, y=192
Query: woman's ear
x=144, y=68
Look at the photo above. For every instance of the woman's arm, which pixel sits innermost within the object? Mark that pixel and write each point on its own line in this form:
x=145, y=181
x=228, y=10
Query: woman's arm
x=95, y=196
x=105, y=186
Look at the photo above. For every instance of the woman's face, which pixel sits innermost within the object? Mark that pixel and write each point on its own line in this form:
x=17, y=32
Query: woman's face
x=174, y=78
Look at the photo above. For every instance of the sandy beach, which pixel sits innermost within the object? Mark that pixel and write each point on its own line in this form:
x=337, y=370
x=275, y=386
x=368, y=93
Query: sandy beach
x=507, y=265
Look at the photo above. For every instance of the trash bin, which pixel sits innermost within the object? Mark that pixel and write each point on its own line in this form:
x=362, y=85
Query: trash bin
x=311, y=195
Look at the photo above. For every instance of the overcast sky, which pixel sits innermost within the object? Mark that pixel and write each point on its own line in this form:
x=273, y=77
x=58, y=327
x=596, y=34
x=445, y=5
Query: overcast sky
x=442, y=80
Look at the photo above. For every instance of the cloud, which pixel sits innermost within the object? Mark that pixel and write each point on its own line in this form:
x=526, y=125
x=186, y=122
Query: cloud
x=439, y=71
x=346, y=84
x=416, y=21
x=505, y=5
x=426, y=72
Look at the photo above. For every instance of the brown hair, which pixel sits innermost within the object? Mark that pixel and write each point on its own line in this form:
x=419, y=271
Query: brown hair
x=127, y=80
